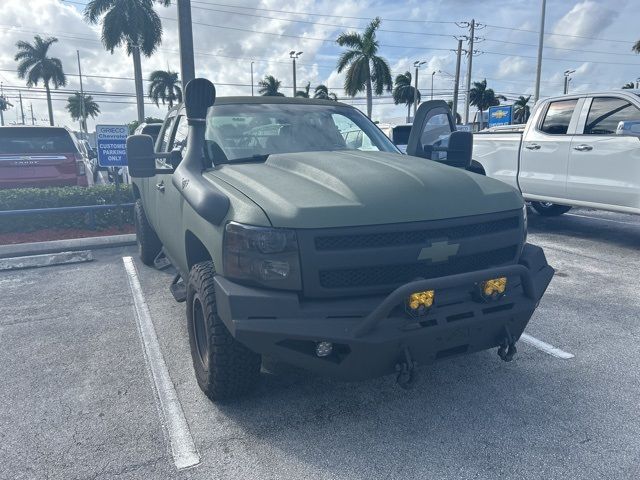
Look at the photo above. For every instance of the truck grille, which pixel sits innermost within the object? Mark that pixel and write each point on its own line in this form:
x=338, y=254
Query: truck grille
x=372, y=260
x=403, y=273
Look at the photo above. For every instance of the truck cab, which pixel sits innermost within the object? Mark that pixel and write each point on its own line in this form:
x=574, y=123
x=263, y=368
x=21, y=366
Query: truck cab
x=293, y=239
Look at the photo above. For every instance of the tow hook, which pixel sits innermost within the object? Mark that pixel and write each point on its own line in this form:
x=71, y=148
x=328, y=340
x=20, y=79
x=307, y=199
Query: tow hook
x=406, y=375
x=507, y=349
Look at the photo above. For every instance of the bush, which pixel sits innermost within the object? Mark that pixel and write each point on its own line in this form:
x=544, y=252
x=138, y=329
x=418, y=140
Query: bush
x=28, y=198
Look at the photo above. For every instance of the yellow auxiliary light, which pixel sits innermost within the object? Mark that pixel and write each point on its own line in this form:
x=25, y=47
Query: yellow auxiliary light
x=494, y=288
x=421, y=299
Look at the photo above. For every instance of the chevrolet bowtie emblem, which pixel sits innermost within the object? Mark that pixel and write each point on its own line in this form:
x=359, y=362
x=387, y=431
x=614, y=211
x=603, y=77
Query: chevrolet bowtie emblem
x=439, y=251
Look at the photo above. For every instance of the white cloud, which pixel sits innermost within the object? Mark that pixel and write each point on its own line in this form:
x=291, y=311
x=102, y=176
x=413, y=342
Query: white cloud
x=585, y=19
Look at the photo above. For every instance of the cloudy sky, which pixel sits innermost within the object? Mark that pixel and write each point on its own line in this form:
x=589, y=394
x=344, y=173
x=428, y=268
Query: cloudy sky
x=594, y=37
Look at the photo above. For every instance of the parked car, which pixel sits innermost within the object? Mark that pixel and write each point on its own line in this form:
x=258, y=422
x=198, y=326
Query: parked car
x=41, y=157
x=579, y=150
x=345, y=258
x=398, y=134
x=151, y=129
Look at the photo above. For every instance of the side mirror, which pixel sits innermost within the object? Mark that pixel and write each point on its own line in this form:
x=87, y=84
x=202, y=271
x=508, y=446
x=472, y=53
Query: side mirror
x=199, y=95
x=140, y=156
x=629, y=128
x=460, y=149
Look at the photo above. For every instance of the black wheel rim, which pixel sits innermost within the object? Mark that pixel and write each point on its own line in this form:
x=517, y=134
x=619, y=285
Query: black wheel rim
x=200, y=332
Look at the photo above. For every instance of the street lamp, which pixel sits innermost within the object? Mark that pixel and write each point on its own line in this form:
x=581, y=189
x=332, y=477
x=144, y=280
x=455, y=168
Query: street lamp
x=567, y=79
x=417, y=64
x=433, y=75
x=294, y=55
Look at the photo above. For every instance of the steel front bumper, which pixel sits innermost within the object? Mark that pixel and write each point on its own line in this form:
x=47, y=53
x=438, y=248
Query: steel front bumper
x=371, y=334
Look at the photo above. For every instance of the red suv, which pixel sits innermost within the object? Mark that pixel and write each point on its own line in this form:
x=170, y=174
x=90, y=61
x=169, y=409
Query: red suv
x=41, y=157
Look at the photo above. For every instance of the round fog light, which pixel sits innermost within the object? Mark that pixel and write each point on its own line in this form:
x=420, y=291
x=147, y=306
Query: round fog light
x=324, y=349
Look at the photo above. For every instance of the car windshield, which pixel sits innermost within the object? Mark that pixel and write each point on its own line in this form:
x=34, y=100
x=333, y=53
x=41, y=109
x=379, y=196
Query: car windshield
x=252, y=132
x=35, y=140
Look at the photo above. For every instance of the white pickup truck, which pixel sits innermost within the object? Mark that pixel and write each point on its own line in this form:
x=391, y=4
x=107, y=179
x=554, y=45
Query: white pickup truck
x=576, y=150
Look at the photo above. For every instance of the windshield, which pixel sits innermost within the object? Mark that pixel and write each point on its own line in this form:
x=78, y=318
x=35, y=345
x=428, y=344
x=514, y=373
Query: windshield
x=35, y=140
x=245, y=132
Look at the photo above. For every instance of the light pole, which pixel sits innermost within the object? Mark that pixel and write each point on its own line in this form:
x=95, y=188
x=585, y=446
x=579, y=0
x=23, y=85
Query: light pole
x=638, y=82
x=536, y=95
x=433, y=75
x=252, y=79
x=294, y=56
x=417, y=64
x=567, y=79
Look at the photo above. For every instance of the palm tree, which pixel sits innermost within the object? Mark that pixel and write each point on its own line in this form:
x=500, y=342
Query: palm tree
x=165, y=87
x=304, y=93
x=82, y=108
x=34, y=65
x=521, y=110
x=457, y=115
x=269, y=87
x=365, y=69
x=132, y=23
x=404, y=92
x=483, y=97
x=322, y=92
x=629, y=85
x=4, y=106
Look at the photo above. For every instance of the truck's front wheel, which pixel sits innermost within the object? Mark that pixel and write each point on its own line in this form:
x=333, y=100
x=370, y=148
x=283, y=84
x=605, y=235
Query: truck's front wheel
x=548, y=209
x=149, y=244
x=224, y=368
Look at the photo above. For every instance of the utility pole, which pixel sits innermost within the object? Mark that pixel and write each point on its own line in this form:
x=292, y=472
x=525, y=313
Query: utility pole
x=185, y=33
x=83, y=118
x=137, y=74
x=417, y=64
x=21, y=109
x=472, y=32
x=456, y=85
x=4, y=100
x=252, y=79
x=294, y=55
x=536, y=97
x=33, y=119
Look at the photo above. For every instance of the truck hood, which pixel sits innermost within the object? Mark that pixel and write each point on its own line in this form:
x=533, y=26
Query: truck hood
x=350, y=188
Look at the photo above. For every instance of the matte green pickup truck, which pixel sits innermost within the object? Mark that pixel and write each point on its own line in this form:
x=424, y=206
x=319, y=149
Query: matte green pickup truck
x=300, y=232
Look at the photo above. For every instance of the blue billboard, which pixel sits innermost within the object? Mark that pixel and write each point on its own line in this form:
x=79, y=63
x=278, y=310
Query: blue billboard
x=500, y=115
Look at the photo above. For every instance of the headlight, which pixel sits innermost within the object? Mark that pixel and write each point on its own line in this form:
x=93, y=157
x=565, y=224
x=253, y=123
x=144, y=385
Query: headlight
x=262, y=256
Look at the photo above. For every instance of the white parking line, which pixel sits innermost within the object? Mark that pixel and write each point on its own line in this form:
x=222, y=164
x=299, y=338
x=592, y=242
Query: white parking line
x=183, y=448
x=545, y=347
x=603, y=219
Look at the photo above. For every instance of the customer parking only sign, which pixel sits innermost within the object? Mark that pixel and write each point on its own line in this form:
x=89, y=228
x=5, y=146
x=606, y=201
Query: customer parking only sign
x=111, y=141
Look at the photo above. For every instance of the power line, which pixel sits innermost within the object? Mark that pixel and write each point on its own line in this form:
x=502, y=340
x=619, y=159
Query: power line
x=557, y=34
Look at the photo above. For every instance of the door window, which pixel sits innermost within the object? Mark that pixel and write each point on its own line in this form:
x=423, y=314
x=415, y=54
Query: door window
x=558, y=117
x=165, y=136
x=605, y=114
x=180, y=138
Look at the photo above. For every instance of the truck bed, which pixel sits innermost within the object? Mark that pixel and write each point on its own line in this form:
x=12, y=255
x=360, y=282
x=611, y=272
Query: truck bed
x=499, y=154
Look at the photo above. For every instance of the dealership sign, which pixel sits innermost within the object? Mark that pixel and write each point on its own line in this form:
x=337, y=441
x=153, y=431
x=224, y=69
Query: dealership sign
x=111, y=142
x=500, y=115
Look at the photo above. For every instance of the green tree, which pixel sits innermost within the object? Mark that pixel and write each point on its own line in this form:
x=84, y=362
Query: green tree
x=404, y=92
x=4, y=106
x=365, y=70
x=80, y=108
x=135, y=123
x=482, y=98
x=35, y=65
x=130, y=23
x=304, y=93
x=629, y=85
x=269, y=87
x=456, y=114
x=322, y=92
x=521, y=110
x=165, y=87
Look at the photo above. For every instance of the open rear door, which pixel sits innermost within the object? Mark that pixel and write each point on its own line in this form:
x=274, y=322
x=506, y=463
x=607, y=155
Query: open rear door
x=434, y=136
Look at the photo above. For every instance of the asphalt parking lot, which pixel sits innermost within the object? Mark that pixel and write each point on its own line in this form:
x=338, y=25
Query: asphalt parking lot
x=78, y=397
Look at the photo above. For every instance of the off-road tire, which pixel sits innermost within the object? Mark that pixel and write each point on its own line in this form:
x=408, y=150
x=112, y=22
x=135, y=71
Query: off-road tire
x=233, y=369
x=550, y=209
x=149, y=245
